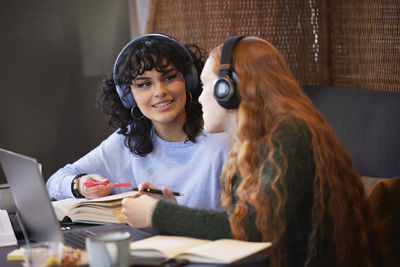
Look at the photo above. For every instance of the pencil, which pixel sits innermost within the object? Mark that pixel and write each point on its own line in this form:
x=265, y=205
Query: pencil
x=155, y=191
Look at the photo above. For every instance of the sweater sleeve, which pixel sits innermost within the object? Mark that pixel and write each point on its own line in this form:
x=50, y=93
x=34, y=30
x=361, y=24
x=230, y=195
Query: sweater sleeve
x=175, y=219
x=96, y=161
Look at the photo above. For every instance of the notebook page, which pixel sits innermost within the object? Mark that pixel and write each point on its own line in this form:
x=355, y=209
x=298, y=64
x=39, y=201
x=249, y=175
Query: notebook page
x=163, y=246
x=223, y=251
x=7, y=236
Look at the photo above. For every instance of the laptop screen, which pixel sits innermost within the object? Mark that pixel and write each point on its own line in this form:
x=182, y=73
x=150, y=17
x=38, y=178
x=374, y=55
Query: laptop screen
x=31, y=198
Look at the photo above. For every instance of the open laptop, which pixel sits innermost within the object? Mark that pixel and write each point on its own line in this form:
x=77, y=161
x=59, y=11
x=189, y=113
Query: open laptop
x=27, y=186
x=35, y=211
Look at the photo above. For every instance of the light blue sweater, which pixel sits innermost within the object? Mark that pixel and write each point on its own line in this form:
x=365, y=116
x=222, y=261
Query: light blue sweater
x=190, y=168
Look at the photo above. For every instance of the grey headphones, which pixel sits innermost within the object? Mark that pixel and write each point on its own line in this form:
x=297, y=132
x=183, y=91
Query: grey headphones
x=225, y=87
x=191, y=79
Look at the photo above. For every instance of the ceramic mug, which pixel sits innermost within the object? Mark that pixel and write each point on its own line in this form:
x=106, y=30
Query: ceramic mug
x=110, y=249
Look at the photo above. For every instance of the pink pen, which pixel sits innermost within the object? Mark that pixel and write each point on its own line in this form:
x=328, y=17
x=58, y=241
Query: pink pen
x=91, y=184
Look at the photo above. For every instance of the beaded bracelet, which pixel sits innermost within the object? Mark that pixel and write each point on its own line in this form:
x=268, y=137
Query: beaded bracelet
x=75, y=186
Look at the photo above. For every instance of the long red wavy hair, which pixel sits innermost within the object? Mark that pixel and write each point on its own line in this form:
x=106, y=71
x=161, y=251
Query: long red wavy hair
x=269, y=95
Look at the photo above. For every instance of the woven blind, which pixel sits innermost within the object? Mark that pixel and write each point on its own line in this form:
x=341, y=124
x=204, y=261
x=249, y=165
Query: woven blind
x=365, y=44
x=291, y=25
x=351, y=43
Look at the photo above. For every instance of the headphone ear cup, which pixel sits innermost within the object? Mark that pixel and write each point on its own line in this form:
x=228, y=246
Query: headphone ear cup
x=225, y=91
x=126, y=100
x=192, y=79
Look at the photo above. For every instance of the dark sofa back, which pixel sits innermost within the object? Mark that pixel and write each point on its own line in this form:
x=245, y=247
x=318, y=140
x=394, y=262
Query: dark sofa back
x=367, y=124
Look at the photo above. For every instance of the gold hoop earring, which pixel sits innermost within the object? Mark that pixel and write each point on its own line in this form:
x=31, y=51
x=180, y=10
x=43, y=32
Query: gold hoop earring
x=191, y=98
x=133, y=113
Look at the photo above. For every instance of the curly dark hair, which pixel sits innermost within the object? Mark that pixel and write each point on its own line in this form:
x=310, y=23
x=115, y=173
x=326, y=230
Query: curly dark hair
x=146, y=54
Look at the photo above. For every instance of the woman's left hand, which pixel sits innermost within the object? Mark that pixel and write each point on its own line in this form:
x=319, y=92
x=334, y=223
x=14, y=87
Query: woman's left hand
x=138, y=211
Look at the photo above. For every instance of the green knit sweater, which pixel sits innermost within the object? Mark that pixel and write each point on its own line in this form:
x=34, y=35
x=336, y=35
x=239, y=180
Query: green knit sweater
x=293, y=143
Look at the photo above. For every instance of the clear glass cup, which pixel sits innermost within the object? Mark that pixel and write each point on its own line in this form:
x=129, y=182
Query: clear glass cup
x=42, y=254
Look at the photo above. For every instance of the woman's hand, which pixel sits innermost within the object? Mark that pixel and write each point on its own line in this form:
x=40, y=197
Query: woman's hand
x=167, y=194
x=138, y=211
x=95, y=191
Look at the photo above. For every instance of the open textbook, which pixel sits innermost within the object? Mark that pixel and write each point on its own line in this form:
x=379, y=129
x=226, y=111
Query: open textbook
x=99, y=210
x=195, y=250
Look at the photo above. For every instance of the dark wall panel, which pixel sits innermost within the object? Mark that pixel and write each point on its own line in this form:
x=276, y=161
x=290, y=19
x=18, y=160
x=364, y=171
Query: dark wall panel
x=53, y=55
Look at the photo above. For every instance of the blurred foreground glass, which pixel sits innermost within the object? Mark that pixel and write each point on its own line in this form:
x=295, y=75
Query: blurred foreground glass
x=109, y=249
x=42, y=254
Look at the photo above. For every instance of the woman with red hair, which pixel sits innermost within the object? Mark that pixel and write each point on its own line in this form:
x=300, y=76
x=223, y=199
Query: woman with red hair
x=287, y=180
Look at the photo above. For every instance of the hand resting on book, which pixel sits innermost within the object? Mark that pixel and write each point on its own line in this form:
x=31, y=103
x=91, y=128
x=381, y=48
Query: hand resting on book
x=138, y=211
x=95, y=191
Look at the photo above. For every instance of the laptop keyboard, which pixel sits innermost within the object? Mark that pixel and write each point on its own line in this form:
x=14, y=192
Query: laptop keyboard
x=76, y=238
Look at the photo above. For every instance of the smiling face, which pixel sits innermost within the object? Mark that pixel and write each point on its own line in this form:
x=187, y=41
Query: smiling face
x=161, y=97
x=216, y=118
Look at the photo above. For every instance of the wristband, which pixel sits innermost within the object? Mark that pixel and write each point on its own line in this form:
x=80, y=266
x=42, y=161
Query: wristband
x=75, y=186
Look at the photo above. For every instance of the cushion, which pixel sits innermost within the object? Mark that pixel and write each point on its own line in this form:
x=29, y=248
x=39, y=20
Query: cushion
x=384, y=199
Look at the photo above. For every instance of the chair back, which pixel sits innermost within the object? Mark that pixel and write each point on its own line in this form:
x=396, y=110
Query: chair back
x=384, y=200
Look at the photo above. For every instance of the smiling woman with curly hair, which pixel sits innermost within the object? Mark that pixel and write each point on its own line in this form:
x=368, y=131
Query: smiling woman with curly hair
x=151, y=98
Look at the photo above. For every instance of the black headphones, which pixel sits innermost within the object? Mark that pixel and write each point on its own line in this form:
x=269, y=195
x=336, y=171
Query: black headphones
x=225, y=87
x=191, y=78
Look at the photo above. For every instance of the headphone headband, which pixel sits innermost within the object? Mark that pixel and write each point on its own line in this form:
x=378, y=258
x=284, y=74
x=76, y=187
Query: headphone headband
x=225, y=87
x=191, y=78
